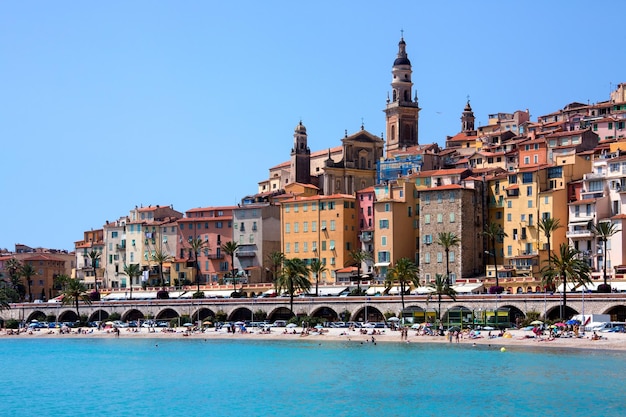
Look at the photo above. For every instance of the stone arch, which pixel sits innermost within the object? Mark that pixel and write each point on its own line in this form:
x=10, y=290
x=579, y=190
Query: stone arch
x=554, y=313
x=98, y=315
x=36, y=315
x=458, y=316
x=515, y=314
x=132, y=314
x=68, y=316
x=240, y=314
x=167, y=314
x=202, y=314
x=280, y=313
x=326, y=313
x=368, y=313
x=417, y=314
x=617, y=312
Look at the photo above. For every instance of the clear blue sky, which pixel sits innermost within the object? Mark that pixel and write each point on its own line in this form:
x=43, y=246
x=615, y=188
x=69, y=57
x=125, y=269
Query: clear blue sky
x=108, y=105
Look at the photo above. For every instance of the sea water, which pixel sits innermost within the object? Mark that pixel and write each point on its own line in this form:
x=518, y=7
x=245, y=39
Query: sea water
x=197, y=377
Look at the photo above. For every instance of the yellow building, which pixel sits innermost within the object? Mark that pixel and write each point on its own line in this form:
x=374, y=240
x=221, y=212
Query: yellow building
x=323, y=227
x=396, y=225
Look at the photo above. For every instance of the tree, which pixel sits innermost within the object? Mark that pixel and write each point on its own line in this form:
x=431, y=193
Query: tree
x=230, y=248
x=73, y=292
x=294, y=278
x=448, y=240
x=160, y=257
x=5, y=298
x=94, y=256
x=548, y=225
x=13, y=267
x=316, y=268
x=132, y=271
x=566, y=266
x=195, y=246
x=441, y=287
x=359, y=256
x=28, y=272
x=604, y=231
x=493, y=232
x=404, y=272
x=275, y=260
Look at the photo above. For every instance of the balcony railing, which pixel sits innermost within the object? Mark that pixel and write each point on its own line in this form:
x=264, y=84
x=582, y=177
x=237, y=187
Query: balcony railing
x=245, y=253
x=215, y=256
x=578, y=234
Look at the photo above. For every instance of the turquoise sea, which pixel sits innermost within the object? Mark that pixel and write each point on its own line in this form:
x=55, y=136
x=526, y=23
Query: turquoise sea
x=156, y=377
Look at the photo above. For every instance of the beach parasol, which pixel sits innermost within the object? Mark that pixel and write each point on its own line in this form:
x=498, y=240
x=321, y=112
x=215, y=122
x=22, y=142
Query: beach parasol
x=536, y=323
x=560, y=324
x=319, y=326
x=572, y=322
x=239, y=323
x=207, y=323
x=393, y=319
x=454, y=329
x=188, y=324
x=109, y=323
x=292, y=325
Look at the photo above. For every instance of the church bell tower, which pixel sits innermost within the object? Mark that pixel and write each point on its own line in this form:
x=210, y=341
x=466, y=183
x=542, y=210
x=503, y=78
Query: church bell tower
x=402, y=111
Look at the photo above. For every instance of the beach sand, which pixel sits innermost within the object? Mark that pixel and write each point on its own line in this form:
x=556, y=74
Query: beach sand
x=517, y=339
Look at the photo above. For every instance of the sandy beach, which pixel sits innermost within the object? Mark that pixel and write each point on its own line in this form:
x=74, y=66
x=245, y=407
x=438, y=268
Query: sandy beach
x=513, y=338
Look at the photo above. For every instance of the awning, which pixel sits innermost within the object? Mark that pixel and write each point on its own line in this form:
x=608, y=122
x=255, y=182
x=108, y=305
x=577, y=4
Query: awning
x=466, y=288
x=332, y=291
x=619, y=286
x=379, y=264
x=375, y=290
x=571, y=287
x=423, y=290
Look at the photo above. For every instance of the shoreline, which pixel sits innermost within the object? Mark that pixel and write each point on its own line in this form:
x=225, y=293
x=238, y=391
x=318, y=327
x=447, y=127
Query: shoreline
x=518, y=338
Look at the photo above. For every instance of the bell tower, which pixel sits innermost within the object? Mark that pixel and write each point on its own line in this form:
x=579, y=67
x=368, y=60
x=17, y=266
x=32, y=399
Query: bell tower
x=467, y=119
x=402, y=111
x=300, y=157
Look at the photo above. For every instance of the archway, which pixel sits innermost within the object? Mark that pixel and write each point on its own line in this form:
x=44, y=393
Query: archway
x=68, y=316
x=241, y=314
x=202, y=314
x=460, y=316
x=555, y=313
x=281, y=313
x=516, y=316
x=36, y=315
x=99, y=315
x=416, y=314
x=167, y=314
x=132, y=315
x=618, y=313
x=326, y=313
x=368, y=314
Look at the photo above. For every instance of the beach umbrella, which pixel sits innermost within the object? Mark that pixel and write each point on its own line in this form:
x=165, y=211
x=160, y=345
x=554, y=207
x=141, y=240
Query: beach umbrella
x=319, y=326
x=488, y=328
x=292, y=325
x=393, y=319
x=416, y=326
x=454, y=329
x=188, y=324
x=560, y=324
x=572, y=322
x=536, y=323
x=207, y=323
x=109, y=323
x=239, y=323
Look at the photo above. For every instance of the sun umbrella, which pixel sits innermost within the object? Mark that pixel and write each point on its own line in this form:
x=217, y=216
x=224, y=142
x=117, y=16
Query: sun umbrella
x=292, y=325
x=454, y=329
x=188, y=324
x=393, y=319
x=572, y=322
x=416, y=326
x=536, y=323
x=109, y=323
x=560, y=324
x=239, y=323
x=207, y=323
x=319, y=326
x=488, y=328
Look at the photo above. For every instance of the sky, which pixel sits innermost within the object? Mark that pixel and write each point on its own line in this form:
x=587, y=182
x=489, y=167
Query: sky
x=109, y=105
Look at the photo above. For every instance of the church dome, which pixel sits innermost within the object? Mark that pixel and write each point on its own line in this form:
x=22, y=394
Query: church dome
x=402, y=58
x=300, y=128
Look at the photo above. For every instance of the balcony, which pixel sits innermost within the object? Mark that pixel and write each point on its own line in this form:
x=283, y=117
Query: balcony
x=121, y=246
x=245, y=254
x=578, y=234
x=215, y=256
x=366, y=237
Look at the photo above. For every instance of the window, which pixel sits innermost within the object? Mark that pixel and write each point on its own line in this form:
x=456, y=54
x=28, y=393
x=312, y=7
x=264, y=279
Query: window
x=530, y=203
x=296, y=247
x=439, y=197
x=287, y=208
x=439, y=257
x=287, y=227
x=428, y=239
x=332, y=245
x=383, y=224
x=387, y=207
x=383, y=241
x=529, y=190
x=426, y=198
x=323, y=245
x=314, y=246
x=439, y=218
x=295, y=208
x=427, y=258
x=526, y=160
x=332, y=225
x=296, y=227
x=314, y=225
x=323, y=224
x=426, y=218
x=527, y=177
x=218, y=225
x=451, y=256
x=287, y=247
x=305, y=226
x=555, y=172
x=452, y=196
x=452, y=217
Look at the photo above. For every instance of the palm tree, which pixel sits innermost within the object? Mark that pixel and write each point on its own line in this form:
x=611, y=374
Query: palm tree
x=28, y=272
x=94, y=256
x=294, y=277
x=159, y=257
x=359, y=256
x=230, y=248
x=604, y=231
x=132, y=271
x=317, y=267
x=404, y=272
x=494, y=231
x=448, y=240
x=13, y=267
x=73, y=292
x=195, y=246
x=275, y=260
x=548, y=225
x=5, y=298
x=441, y=287
x=566, y=266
